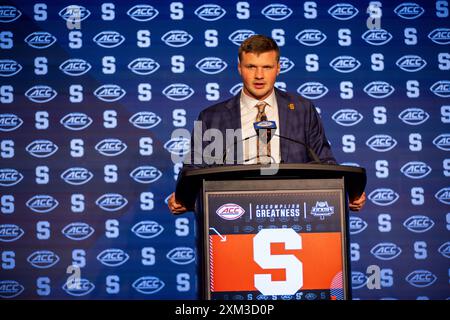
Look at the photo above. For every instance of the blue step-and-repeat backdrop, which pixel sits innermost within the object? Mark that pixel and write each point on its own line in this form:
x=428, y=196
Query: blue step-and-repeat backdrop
x=90, y=92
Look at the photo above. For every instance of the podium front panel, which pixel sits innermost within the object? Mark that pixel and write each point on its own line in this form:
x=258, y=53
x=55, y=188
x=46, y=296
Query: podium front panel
x=275, y=239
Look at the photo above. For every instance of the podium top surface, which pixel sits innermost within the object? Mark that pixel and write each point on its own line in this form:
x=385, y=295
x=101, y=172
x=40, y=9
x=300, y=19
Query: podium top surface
x=190, y=180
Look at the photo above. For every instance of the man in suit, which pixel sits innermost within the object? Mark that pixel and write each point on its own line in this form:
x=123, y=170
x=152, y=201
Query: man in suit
x=296, y=116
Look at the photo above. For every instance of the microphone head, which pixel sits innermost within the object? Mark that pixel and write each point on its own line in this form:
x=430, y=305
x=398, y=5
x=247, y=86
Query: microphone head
x=264, y=125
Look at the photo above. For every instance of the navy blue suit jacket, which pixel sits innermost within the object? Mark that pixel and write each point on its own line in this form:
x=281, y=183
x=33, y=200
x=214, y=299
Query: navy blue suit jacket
x=298, y=118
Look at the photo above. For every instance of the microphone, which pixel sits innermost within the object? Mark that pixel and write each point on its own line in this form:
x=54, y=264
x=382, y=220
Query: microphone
x=265, y=128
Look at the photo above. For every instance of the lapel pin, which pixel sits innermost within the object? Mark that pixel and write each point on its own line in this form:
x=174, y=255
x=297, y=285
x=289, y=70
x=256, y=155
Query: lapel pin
x=291, y=106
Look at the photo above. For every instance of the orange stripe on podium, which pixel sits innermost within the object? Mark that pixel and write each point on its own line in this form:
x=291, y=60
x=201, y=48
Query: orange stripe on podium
x=233, y=267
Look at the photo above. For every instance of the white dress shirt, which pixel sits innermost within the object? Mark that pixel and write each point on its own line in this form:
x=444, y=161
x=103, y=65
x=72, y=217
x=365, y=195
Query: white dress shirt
x=248, y=117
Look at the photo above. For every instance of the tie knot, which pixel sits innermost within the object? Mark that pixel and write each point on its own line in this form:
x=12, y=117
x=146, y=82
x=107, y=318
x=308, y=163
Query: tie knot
x=261, y=106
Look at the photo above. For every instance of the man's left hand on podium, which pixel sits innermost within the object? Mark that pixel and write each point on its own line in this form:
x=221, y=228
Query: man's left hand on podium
x=176, y=207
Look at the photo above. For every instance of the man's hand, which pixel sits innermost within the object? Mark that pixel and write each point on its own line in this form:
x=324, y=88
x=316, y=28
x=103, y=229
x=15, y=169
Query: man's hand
x=357, y=203
x=174, y=206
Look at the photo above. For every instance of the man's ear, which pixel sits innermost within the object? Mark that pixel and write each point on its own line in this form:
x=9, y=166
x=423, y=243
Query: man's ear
x=278, y=68
x=239, y=68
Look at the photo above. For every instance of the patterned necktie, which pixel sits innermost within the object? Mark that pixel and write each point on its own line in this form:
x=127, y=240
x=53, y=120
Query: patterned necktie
x=262, y=147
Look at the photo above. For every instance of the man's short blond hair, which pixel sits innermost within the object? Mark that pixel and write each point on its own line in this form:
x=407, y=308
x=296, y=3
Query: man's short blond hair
x=259, y=44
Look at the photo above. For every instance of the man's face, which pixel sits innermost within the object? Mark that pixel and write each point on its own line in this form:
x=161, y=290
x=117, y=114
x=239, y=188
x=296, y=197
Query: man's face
x=259, y=72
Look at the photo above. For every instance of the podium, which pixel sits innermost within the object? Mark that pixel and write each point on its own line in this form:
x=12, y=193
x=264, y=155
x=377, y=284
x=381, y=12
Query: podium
x=265, y=234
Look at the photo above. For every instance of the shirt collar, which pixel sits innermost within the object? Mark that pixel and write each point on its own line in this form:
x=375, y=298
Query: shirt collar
x=249, y=102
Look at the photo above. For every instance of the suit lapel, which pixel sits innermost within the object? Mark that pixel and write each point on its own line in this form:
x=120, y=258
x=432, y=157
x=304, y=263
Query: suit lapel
x=232, y=120
x=234, y=116
x=285, y=125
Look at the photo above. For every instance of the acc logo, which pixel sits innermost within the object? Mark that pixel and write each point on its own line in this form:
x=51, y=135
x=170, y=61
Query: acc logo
x=43, y=259
x=445, y=249
x=181, y=255
x=210, y=12
x=383, y=196
x=40, y=94
x=379, y=89
x=177, y=38
x=113, y=257
x=110, y=147
x=416, y=169
x=143, y=66
x=10, y=232
x=413, y=116
x=236, y=88
x=78, y=231
x=41, y=148
x=280, y=85
x=265, y=125
x=442, y=141
x=312, y=90
x=40, y=39
x=411, y=63
x=347, y=117
x=10, y=289
x=147, y=229
x=357, y=225
x=111, y=202
x=109, y=92
x=443, y=195
x=109, y=39
x=10, y=177
x=440, y=35
x=9, y=14
x=386, y=251
x=421, y=278
x=441, y=88
x=76, y=121
x=142, y=12
x=144, y=120
x=178, y=91
x=359, y=280
x=148, y=285
x=239, y=36
x=276, y=11
x=409, y=10
x=285, y=64
x=322, y=210
x=145, y=174
x=77, y=176
x=418, y=224
x=230, y=211
x=9, y=122
x=211, y=65
x=343, y=11
x=311, y=37
x=42, y=203
x=75, y=67
x=345, y=64
x=80, y=288
x=178, y=146
x=9, y=67
x=310, y=296
x=74, y=13
x=377, y=37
